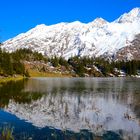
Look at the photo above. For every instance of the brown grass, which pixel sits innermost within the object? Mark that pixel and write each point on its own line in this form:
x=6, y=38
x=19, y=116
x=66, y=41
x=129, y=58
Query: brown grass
x=7, y=79
x=34, y=73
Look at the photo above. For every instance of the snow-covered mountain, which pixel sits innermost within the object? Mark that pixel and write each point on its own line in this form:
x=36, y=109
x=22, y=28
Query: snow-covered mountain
x=93, y=39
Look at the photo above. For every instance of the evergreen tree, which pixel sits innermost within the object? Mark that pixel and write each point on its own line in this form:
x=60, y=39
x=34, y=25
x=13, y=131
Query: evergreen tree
x=55, y=61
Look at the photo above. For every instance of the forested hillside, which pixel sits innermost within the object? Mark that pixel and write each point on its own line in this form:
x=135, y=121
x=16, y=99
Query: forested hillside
x=16, y=63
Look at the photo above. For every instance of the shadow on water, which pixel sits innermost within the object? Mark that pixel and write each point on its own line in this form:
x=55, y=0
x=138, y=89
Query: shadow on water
x=13, y=90
x=72, y=109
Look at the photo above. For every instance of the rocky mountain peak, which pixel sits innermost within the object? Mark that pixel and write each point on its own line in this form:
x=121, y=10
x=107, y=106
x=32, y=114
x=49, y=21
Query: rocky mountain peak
x=98, y=22
x=135, y=12
x=130, y=17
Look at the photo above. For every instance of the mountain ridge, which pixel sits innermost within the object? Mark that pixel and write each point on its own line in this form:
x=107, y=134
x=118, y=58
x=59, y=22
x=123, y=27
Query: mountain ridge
x=94, y=39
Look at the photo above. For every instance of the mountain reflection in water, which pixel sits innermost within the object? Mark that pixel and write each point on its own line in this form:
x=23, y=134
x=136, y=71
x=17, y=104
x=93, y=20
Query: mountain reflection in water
x=95, y=105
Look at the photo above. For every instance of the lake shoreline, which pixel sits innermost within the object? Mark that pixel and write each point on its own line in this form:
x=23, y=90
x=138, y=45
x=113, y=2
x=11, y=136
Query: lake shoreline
x=53, y=75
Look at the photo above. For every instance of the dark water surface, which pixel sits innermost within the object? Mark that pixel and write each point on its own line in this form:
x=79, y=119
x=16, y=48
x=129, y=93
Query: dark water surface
x=72, y=108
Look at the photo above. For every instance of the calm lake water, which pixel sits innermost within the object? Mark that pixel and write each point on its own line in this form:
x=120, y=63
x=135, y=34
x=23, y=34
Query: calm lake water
x=72, y=108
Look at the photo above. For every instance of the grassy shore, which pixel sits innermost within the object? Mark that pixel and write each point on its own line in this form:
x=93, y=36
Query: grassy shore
x=7, y=79
x=47, y=74
x=33, y=74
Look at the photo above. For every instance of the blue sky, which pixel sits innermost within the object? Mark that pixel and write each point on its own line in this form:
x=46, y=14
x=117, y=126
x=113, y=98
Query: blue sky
x=19, y=16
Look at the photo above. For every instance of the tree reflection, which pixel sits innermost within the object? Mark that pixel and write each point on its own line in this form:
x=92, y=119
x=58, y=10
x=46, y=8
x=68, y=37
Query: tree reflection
x=13, y=90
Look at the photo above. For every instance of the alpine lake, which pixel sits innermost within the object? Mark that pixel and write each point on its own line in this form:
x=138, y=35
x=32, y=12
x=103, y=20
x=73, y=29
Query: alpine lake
x=71, y=108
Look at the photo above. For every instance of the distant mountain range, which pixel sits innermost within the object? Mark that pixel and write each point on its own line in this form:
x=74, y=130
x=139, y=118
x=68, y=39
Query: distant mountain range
x=119, y=39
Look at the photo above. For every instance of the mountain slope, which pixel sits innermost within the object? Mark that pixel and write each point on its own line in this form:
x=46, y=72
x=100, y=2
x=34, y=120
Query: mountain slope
x=69, y=39
x=131, y=51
